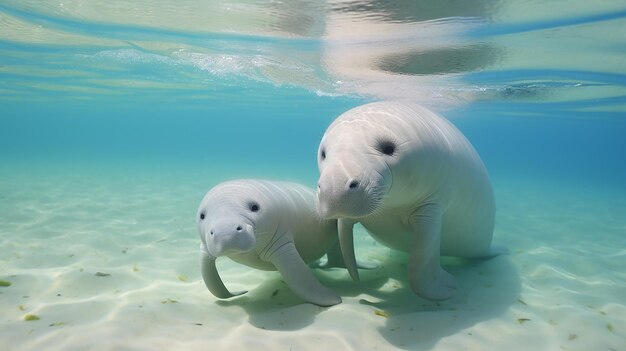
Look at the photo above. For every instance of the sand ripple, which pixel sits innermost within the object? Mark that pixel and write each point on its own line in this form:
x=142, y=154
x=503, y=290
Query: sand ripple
x=111, y=264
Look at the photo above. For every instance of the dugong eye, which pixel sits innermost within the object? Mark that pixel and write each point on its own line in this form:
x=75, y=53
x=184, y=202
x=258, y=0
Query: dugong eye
x=202, y=215
x=254, y=207
x=386, y=147
x=323, y=154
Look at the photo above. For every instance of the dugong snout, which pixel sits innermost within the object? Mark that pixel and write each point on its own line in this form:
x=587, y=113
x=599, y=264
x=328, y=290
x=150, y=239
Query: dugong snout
x=343, y=194
x=229, y=235
x=335, y=202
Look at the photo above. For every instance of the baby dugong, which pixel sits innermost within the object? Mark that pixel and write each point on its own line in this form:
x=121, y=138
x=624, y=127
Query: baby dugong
x=269, y=226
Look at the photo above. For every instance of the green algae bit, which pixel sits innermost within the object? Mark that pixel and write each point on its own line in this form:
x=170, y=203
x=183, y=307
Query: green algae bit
x=5, y=283
x=31, y=317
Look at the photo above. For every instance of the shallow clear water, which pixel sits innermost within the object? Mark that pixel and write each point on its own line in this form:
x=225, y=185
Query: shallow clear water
x=117, y=117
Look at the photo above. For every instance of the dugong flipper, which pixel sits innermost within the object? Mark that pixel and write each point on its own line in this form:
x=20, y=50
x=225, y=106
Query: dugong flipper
x=268, y=226
x=299, y=278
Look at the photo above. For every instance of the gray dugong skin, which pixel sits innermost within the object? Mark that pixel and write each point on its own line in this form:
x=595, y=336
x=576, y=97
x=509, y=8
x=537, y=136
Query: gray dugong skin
x=269, y=226
x=414, y=182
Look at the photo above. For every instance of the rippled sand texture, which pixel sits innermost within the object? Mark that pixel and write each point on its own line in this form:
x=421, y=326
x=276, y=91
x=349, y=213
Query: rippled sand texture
x=109, y=262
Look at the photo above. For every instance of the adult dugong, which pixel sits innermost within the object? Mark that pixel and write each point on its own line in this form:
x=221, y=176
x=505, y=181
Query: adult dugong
x=269, y=226
x=414, y=182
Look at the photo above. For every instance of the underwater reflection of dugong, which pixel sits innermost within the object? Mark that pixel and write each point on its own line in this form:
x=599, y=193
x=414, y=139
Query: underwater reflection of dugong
x=414, y=182
x=269, y=226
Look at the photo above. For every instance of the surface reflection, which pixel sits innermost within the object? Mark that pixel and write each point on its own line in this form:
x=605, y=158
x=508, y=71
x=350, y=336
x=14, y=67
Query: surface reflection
x=467, y=58
x=416, y=10
x=420, y=51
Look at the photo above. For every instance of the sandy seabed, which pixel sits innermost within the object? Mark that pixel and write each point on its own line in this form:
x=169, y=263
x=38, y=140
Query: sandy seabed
x=110, y=262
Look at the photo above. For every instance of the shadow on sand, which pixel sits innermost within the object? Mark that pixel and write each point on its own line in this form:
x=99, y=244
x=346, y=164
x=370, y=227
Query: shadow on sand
x=273, y=306
x=487, y=288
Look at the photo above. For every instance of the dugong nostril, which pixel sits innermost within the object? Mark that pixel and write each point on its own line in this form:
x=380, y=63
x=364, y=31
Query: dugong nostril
x=353, y=184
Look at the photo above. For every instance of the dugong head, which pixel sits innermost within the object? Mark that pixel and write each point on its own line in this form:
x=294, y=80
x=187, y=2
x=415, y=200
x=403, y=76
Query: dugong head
x=229, y=218
x=357, y=158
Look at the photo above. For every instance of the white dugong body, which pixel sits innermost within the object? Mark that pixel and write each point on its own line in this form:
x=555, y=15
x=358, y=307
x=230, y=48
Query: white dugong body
x=269, y=226
x=414, y=182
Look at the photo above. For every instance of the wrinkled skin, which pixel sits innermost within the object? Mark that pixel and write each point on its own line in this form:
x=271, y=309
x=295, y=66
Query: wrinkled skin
x=268, y=226
x=414, y=182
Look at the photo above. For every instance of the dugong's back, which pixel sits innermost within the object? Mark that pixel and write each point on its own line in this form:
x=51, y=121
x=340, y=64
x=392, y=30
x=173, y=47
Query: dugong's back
x=288, y=197
x=278, y=193
x=466, y=193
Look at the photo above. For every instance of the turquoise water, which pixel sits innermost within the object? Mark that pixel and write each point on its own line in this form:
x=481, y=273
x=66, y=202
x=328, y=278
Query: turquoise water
x=117, y=117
